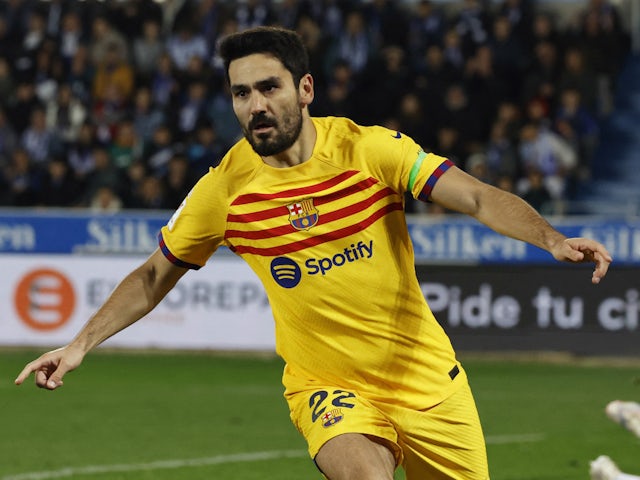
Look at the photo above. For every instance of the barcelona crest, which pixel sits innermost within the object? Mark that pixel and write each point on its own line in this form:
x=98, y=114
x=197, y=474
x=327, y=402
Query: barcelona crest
x=332, y=417
x=302, y=214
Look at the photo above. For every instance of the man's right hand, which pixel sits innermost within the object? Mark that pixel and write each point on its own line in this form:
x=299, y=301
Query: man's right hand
x=51, y=367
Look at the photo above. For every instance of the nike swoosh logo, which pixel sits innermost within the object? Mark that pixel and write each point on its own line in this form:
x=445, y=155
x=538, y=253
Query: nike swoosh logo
x=397, y=135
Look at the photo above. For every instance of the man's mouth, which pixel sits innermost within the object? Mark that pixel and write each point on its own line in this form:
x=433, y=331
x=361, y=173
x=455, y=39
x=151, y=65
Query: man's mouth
x=261, y=128
x=261, y=125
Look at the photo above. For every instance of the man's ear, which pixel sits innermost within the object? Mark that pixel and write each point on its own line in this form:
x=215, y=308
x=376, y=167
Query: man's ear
x=305, y=90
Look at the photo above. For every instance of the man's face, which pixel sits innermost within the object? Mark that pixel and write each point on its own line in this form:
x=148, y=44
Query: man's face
x=266, y=102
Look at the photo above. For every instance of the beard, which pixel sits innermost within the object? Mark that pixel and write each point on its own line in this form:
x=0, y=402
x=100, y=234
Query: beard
x=281, y=138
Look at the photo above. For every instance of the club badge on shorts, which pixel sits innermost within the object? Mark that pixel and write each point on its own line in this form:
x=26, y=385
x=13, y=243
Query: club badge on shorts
x=331, y=417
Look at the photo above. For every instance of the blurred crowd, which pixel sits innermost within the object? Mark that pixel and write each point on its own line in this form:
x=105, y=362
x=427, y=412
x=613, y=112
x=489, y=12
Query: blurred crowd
x=123, y=104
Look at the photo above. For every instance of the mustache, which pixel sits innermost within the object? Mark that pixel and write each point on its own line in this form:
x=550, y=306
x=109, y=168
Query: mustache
x=261, y=120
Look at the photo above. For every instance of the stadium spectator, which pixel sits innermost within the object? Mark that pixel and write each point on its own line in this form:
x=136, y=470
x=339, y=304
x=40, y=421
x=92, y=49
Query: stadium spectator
x=178, y=181
x=353, y=44
x=220, y=112
x=59, y=187
x=8, y=48
x=387, y=80
x=485, y=89
x=47, y=74
x=578, y=75
x=476, y=166
x=457, y=112
x=159, y=150
x=519, y=15
x=105, y=200
x=147, y=49
x=335, y=97
x=508, y=58
x=32, y=39
x=104, y=176
x=454, y=54
x=412, y=119
x=80, y=154
x=126, y=147
x=129, y=15
x=184, y=44
x=191, y=110
x=387, y=24
x=426, y=28
x=7, y=83
x=146, y=115
x=65, y=114
x=543, y=150
x=472, y=23
x=150, y=195
x=578, y=127
x=71, y=36
x=8, y=138
x=449, y=144
x=164, y=83
x=533, y=190
x=133, y=178
x=104, y=37
x=205, y=149
x=315, y=41
x=542, y=77
x=286, y=13
x=22, y=180
x=80, y=76
x=40, y=141
x=21, y=105
x=113, y=73
x=501, y=152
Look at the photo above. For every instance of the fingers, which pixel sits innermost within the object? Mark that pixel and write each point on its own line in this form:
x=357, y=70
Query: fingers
x=602, y=266
x=586, y=250
x=26, y=371
x=591, y=248
x=48, y=375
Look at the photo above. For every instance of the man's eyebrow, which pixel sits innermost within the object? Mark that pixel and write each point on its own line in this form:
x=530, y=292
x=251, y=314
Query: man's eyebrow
x=273, y=80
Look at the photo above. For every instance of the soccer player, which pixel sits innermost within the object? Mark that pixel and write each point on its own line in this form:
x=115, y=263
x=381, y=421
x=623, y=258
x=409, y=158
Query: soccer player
x=315, y=206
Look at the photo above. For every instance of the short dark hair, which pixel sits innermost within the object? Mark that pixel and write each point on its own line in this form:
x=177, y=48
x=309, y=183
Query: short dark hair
x=285, y=45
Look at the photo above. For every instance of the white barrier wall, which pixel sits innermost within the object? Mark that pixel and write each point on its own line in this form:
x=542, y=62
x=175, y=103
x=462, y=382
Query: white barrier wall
x=45, y=300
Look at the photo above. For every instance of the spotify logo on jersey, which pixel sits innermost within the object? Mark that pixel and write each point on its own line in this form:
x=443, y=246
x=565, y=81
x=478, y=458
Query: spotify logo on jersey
x=285, y=272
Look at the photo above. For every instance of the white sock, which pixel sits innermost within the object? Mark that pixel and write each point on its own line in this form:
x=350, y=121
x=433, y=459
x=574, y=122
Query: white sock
x=626, y=476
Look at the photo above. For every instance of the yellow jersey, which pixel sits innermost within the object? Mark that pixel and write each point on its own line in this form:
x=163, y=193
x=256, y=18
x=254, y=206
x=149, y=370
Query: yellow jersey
x=328, y=239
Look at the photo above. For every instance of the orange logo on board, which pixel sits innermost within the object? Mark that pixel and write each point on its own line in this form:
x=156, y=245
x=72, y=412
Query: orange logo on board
x=45, y=299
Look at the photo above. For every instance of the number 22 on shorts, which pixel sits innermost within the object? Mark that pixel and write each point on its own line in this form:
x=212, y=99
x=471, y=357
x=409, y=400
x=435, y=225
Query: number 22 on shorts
x=319, y=401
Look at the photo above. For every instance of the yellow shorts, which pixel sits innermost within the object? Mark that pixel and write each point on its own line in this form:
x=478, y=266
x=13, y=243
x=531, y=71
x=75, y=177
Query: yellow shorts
x=442, y=442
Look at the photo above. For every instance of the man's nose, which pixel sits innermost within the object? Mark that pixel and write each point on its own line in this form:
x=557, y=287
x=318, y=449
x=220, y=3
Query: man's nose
x=258, y=104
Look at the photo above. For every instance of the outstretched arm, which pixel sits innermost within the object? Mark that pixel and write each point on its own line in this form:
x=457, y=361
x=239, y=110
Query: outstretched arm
x=510, y=215
x=135, y=296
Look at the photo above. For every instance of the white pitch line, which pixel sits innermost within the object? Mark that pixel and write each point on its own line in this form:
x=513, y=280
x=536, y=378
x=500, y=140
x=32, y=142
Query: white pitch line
x=218, y=460
x=159, y=465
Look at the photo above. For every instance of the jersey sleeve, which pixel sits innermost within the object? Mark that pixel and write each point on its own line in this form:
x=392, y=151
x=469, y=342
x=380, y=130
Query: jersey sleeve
x=404, y=165
x=197, y=227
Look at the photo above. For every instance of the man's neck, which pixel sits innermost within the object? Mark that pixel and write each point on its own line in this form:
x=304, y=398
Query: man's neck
x=299, y=152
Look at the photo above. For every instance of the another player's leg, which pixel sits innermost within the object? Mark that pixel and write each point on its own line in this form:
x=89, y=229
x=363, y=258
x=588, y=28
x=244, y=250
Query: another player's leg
x=626, y=414
x=354, y=455
x=603, y=468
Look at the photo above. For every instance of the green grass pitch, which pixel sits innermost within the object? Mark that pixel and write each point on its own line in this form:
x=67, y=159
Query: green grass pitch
x=143, y=416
